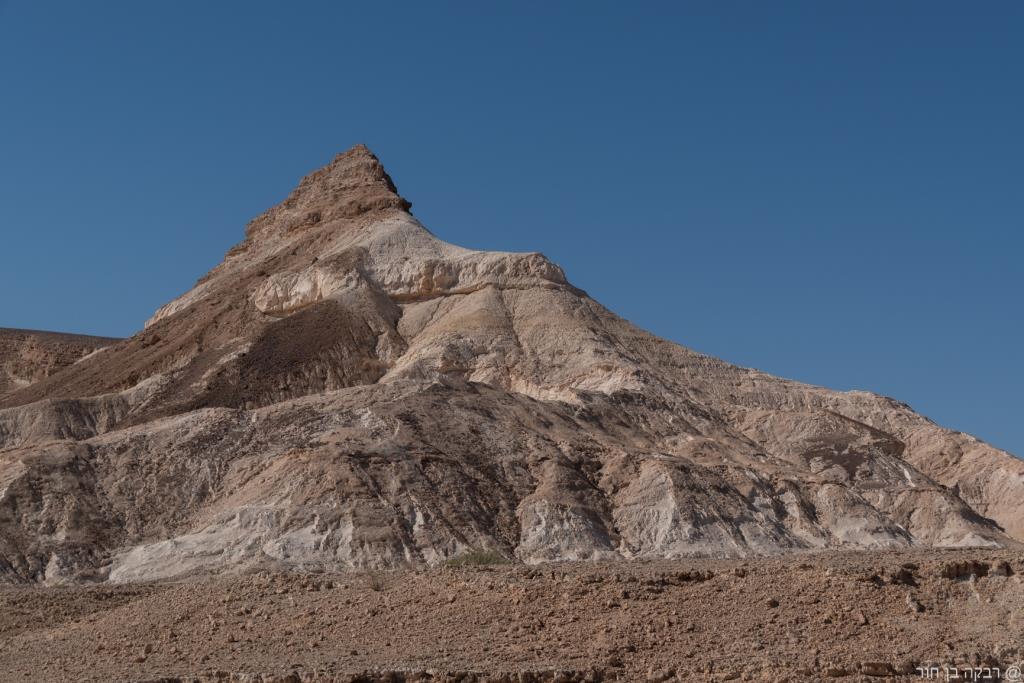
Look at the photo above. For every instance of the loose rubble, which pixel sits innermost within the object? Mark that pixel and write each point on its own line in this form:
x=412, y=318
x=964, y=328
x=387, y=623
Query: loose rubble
x=798, y=618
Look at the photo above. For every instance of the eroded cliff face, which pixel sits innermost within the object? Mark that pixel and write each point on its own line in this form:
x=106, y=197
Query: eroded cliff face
x=347, y=390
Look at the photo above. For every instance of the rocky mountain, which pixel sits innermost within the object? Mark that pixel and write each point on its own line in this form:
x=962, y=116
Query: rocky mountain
x=347, y=390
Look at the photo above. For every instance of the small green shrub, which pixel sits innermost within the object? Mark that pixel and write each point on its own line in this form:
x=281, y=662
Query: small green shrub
x=376, y=581
x=477, y=557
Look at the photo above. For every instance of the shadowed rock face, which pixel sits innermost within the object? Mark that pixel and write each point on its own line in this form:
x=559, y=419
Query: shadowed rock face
x=346, y=390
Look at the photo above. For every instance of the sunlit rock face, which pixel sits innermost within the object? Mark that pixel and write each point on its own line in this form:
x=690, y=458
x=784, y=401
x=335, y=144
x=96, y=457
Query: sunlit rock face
x=345, y=390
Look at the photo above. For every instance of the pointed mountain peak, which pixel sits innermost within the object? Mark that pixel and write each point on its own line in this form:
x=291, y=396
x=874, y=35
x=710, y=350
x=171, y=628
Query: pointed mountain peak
x=353, y=184
x=357, y=166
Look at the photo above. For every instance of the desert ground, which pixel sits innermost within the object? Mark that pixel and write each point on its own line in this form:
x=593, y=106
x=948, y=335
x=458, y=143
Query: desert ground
x=811, y=617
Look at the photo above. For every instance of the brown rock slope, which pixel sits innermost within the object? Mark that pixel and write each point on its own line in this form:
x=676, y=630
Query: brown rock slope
x=27, y=356
x=346, y=390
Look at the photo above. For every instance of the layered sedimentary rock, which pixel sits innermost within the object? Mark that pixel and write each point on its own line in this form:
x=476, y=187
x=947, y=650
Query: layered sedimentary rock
x=347, y=390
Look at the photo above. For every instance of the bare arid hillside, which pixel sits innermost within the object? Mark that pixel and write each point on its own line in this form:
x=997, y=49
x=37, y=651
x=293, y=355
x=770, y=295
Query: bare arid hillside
x=347, y=391
x=354, y=452
x=27, y=356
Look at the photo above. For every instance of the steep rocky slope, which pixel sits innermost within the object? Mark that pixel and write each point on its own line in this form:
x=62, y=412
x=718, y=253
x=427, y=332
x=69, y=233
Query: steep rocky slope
x=27, y=356
x=346, y=390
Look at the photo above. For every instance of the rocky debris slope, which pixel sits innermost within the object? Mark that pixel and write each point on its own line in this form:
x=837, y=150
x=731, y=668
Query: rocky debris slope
x=823, y=616
x=27, y=356
x=345, y=390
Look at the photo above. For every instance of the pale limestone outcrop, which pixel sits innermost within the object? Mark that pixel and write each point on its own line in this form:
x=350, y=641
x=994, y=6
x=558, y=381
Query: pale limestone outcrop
x=408, y=265
x=284, y=293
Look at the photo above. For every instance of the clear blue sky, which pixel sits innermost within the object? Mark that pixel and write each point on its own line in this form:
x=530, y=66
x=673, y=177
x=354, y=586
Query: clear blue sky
x=829, y=191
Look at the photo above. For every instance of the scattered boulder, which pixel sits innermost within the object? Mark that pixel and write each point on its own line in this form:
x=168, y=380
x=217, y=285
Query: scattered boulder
x=902, y=576
x=1002, y=568
x=876, y=669
x=963, y=570
x=914, y=604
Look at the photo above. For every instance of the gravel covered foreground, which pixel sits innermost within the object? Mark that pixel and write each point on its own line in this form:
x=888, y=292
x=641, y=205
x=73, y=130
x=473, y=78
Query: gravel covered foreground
x=850, y=616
